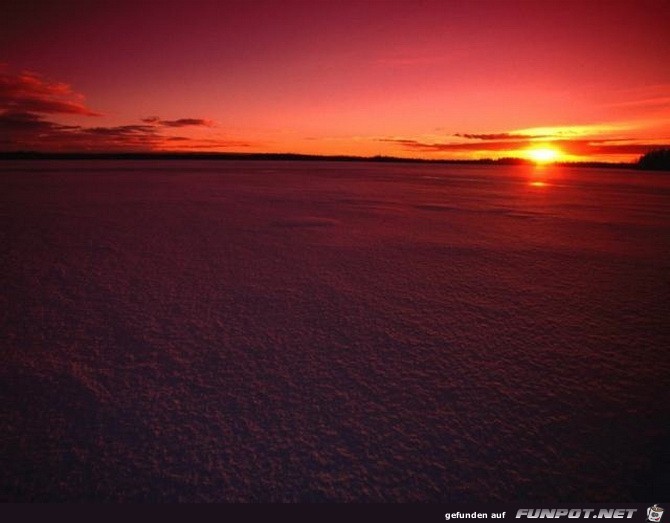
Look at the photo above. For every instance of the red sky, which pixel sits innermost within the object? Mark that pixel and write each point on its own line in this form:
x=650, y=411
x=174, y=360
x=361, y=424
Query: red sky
x=452, y=79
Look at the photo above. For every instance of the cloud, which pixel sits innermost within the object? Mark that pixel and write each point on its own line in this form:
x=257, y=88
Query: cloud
x=418, y=145
x=29, y=105
x=594, y=140
x=577, y=147
x=605, y=147
x=185, y=122
x=574, y=131
x=30, y=92
x=501, y=136
x=31, y=131
x=27, y=123
x=181, y=122
x=195, y=144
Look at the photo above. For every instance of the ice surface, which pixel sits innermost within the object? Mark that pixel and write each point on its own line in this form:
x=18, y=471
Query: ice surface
x=279, y=331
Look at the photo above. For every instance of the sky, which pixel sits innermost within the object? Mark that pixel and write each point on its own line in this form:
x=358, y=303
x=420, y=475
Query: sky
x=432, y=79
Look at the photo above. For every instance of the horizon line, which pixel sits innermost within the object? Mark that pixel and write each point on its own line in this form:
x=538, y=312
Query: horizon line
x=141, y=155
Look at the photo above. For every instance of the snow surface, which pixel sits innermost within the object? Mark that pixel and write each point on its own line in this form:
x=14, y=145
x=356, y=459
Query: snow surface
x=280, y=331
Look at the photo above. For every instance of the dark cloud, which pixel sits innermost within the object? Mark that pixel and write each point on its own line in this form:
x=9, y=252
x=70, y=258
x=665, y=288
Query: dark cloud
x=213, y=144
x=181, y=122
x=20, y=121
x=16, y=125
x=29, y=92
x=500, y=136
x=587, y=147
x=466, y=146
x=45, y=106
x=123, y=130
x=185, y=122
x=31, y=131
x=26, y=100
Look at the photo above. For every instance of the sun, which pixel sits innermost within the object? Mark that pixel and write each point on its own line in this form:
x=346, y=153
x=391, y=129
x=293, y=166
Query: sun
x=543, y=154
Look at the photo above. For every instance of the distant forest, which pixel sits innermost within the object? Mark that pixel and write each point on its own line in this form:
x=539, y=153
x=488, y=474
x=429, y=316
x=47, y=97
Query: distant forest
x=654, y=160
x=658, y=160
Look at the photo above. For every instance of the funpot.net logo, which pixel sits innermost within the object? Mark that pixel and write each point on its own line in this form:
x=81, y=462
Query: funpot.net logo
x=576, y=513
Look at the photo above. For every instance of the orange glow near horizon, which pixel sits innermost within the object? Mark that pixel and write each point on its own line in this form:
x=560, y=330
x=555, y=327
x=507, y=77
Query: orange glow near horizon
x=468, y=81
x=543, y=155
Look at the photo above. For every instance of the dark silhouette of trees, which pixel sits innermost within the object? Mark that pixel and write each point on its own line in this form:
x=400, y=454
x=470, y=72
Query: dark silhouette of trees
x=656, y=160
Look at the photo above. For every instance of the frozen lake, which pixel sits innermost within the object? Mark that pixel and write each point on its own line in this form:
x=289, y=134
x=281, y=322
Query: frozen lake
x=314, y=331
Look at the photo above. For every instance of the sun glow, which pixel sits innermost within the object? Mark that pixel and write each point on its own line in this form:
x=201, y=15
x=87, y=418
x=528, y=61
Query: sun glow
x=543, y=154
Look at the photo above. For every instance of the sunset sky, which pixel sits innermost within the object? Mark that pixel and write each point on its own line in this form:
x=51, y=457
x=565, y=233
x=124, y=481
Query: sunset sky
x=443, y=79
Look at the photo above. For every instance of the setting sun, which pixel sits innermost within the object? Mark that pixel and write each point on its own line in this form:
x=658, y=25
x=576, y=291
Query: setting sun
x=543, y=155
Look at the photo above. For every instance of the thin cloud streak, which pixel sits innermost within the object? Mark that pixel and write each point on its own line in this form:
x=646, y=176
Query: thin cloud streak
x=181, y=122
x=501, y=136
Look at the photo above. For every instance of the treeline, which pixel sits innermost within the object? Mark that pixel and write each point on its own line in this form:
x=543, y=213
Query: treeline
x=158, y=155
x=655, y=160
x=151, y=155
x=658, y=160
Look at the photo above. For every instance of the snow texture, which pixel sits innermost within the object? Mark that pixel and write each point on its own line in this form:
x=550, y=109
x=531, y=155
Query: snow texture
x=281, y=331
